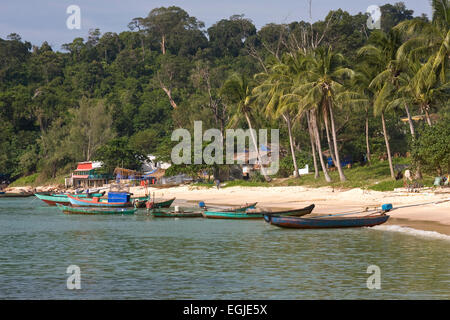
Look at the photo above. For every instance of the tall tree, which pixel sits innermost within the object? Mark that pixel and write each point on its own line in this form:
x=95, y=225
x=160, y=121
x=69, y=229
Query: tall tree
x=324, y=75
x=90, y=128
x=237, y=91
x=167, y=22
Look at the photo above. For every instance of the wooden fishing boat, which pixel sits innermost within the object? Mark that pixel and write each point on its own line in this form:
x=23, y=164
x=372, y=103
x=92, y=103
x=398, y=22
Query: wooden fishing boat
x=291, y=213
x=87, y=210
x=159, y=204
x=231, y=215
x=241, y=208
x=139, y=202
x=53, y=199
x=325, y=222
x=16, y=195
x=97, y=202
x=257, y=214
x=159, y=213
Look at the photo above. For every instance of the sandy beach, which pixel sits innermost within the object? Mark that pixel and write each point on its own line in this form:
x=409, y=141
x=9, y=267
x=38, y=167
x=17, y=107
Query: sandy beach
x=426, y=210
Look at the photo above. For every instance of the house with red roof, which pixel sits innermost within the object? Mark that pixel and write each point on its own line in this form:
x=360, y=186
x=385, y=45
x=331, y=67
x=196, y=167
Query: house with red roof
x=86, y=175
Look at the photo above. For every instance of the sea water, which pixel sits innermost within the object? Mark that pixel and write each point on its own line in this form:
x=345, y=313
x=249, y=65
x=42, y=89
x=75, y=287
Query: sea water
x=140, y=257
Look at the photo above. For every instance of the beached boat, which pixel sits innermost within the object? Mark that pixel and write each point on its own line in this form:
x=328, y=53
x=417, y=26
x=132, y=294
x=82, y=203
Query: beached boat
x=139, y=202
x=257, y=214
x=97, y=202
x=159, y=213
x=86, y=210
x=325, y=222
x=16, y=195
x=53, y=199
x=241, y=208
x=159, y=204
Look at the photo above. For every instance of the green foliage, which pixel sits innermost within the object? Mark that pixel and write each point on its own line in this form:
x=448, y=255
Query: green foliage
x=25, y=181
x=119, y=153
x=117, y=97
x=286, y=165
x=432, y=148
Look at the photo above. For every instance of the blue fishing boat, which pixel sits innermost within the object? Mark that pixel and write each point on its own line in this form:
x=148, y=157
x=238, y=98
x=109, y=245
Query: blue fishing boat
x=115, y=200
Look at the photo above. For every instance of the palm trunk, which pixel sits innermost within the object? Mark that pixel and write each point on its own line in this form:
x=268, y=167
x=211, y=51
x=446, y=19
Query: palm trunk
x=411, y=124
x=413, y=134
x=427, y=116
x=367, y=135
x=163, y=44
x=327, y=130
x=387, y=146
x=319, y=148
x=291, y=143
x=313, y=149
x=336, y=150
x=143, y=48
x=256, y=147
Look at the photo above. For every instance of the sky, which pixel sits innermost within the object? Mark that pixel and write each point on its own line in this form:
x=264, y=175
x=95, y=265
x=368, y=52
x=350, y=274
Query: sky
x=45, y=20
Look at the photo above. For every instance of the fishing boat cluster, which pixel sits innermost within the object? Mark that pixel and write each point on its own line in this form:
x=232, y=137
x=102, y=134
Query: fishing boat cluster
x=124, y=203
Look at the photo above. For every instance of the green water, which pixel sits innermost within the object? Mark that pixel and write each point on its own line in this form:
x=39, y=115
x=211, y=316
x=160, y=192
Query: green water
x=138, y=257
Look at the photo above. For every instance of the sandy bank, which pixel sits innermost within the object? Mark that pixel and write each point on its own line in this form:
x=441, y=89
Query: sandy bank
x=426, y=207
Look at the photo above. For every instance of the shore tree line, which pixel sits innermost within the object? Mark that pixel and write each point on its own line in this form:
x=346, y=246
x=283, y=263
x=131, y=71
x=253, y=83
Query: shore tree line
x=333, y=87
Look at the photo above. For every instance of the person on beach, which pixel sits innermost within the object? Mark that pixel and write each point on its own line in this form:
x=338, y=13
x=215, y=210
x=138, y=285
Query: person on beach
x=217, y=184
x=408, y=175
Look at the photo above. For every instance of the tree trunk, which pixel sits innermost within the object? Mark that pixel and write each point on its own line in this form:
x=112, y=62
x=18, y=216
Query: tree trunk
x=313, y=149
x=319, y=148
x=169, y=94
x=163, y=44
x=418, y=174
x=367, y=135
x=387, y=146
x=143, y=48
x=427, y=116
x=336, y=150
x=256, y=147
x=327, y=130
x=291, y=143
x=410, y=121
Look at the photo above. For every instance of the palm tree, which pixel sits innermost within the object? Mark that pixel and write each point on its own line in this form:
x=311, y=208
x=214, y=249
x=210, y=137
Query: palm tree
x=294, y=66
x=324, y=75
x=297, y=97
x=361, y=81
x=382, y=55
x=429, y=41
x=237, y=90
x=277, y=82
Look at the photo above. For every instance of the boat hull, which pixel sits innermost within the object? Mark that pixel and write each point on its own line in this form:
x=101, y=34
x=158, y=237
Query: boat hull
x=139, y=202
x=96, y=211
x=54, y=199
x=231, y=215
x=256, y=215
x=242, y=208
x=161, y=204
x=325, y=223
x=174, y=214
x=76, y=202
x=292, y=213
x=15, y=195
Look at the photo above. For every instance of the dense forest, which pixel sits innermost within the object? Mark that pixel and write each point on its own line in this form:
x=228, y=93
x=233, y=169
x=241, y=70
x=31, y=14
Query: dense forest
x=333, y=86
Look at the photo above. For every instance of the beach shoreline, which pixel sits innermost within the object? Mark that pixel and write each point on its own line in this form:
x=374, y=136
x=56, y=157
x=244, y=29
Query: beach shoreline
x=425, y=210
